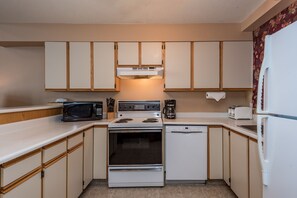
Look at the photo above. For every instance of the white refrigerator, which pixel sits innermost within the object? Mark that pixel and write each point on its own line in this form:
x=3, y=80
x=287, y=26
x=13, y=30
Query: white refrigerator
x=278, y=152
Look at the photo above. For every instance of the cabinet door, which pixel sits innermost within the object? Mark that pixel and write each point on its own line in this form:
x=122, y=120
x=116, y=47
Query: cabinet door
x=75, y=173
x=237, y=64
x=239, y=165
x=226, y=156
x=88, y=157
x=55, y=179
x=30, y=188
x=178, y=65
x=80, y=65
x=151, y=53
x=128, y=53
x=256, y=187
x=104, y=65
x=100, y=151
x=55, y=65
x=215, y=153
x=206, y=65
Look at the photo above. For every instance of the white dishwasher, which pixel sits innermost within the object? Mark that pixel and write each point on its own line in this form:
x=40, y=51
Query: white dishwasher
x=186, y=154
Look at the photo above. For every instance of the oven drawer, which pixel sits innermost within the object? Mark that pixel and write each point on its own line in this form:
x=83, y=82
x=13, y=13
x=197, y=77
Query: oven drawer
x=135, y=176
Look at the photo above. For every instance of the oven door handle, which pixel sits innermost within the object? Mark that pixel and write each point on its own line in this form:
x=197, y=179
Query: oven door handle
x=156, y=169
x=186, y=132
x=136, y=131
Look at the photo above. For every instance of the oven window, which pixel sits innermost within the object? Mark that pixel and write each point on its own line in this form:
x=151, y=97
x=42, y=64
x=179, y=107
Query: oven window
x=136, y=148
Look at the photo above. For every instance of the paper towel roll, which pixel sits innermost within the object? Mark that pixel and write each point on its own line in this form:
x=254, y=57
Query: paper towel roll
x=216, y=95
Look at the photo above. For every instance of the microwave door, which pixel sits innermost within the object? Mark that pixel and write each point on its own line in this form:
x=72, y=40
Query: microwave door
x=80, y=111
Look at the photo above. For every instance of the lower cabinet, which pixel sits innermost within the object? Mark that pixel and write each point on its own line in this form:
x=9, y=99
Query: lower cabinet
x=215, y=153
x=75, y=172
x=29, y=188
x=256, y=187
x=55, y=178
x=239, y=164
x=88, y=157
x=226, y=156
x=100, y=151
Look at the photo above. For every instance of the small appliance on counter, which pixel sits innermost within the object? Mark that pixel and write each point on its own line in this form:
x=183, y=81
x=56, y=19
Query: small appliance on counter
x=82, y=111
x=240, y=113
x=169, y=109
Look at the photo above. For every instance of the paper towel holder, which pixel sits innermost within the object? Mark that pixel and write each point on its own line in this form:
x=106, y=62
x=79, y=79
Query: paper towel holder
x=217, y=96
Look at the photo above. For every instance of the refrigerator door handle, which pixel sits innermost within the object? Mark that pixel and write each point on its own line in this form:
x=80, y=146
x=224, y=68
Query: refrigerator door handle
x=263, y=161
x=264, y=68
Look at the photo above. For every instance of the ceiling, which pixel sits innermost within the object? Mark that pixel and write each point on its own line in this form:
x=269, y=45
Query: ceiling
x=126, y=11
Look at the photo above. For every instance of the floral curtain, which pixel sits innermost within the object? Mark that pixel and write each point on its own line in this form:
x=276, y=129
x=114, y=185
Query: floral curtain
x=281, y=20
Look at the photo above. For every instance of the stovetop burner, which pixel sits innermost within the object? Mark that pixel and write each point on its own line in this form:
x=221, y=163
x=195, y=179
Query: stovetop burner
x=150, y=120
x=124, y=120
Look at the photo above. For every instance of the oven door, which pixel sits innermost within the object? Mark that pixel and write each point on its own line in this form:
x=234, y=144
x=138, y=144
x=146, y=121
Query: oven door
x=135, y=147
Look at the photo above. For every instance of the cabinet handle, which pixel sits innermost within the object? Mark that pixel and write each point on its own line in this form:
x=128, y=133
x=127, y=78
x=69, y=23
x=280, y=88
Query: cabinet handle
x=186, y=132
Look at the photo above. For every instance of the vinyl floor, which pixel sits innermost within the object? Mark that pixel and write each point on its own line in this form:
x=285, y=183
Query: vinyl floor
x=217, y=189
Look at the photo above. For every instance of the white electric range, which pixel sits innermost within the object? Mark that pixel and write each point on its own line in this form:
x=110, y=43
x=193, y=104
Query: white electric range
x=135, y=145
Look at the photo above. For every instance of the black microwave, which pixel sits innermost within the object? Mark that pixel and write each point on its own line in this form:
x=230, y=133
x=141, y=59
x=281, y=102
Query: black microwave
x=82, y=111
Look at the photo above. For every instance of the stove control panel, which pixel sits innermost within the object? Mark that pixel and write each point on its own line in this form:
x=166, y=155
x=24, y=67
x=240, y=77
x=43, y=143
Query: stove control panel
x=139, y=106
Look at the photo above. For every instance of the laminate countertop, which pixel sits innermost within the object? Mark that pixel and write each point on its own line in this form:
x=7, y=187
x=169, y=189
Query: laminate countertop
x=19, y=138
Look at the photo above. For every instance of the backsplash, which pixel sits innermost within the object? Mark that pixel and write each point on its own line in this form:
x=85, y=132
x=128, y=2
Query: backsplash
x=281, y=20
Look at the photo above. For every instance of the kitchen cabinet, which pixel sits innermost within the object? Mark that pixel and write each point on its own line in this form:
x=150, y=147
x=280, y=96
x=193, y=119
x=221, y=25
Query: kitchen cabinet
x=256, y=187
x=80, y=65
x=30, y=187
x=55, y=169
x=21, y=177
x=226, y=156
x=100, y=152
x=206, y=65
x=215, y=151
x=55, y=65
x=75, y=166
x=104, y=66
x=237, y=64
x=177, y=66
x=128, y=53
x=88, y=156
x=151, y=53
x=55, y=178
x=239, y=164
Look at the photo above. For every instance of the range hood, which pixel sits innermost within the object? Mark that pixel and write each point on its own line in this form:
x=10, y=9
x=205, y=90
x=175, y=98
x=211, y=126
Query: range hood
x=140, y=72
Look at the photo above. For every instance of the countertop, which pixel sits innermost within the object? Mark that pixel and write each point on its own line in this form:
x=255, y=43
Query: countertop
x=19, y=138
x=29, y=108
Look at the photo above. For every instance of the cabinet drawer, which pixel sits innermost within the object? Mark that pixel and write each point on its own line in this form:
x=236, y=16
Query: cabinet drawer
x=75, y=140
x=19, y=167
x=50, y=152
x=28, y=188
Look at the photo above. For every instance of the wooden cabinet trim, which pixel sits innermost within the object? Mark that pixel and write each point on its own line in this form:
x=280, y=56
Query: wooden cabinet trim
x=75, y=148
x=253, y=139
x=6, y=118
x=21, y=180
x=92, y=65
x=54, y=160
x=54, y=143
x=67, y=66
x=238, y=133
x=75, y=134
x=221, y=66
x=21, y=158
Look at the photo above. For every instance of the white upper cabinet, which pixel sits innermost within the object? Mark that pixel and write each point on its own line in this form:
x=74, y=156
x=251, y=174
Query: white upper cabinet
x=206, y=65
x=80, y=65
x=55, y=65
x=128, y=53
x=151, y=53
x=104, y=65
x=178, y=65
x=237, y=64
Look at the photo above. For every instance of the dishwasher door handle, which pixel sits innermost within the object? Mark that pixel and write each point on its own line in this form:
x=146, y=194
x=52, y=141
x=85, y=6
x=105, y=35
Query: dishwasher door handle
x=186, y=132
